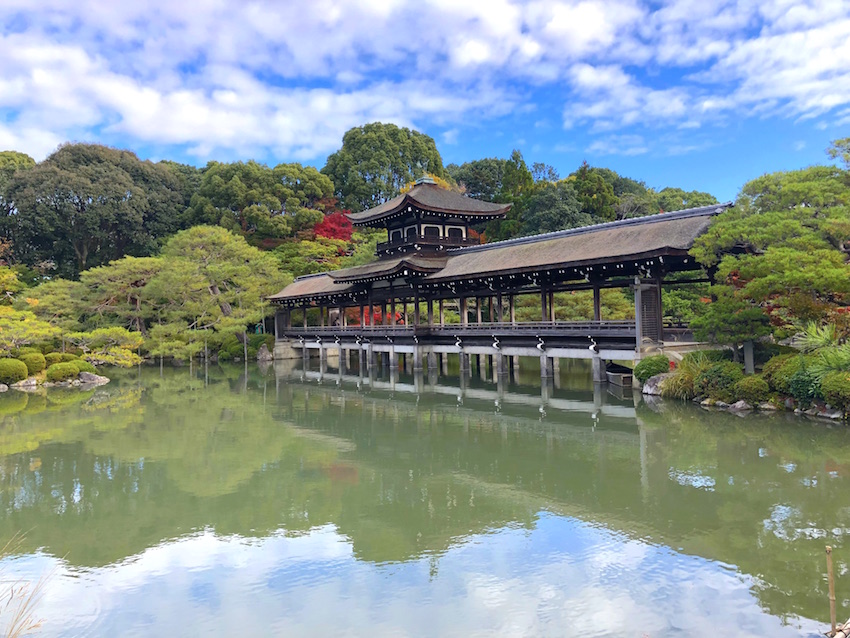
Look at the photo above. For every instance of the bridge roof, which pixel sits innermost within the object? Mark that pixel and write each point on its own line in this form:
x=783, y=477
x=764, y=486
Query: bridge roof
x=608, y=243
x=430, y=197
x=605, y=244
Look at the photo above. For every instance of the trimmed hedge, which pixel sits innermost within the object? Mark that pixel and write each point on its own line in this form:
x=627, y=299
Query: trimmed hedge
x=34, y=361
x=718, y=381
x=752, y=389
x=85, y=366
x=12, y=371
x=779, y=371
x=63, y=371
x=805, y=386
x=60, y=357
x=835, y=387
x=649, y=367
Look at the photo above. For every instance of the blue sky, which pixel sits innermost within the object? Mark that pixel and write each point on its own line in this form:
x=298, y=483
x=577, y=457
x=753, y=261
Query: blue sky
x=698, y=94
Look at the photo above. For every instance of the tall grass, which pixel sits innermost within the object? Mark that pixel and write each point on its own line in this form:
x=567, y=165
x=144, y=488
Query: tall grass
x=18, y=598
x=681, y=384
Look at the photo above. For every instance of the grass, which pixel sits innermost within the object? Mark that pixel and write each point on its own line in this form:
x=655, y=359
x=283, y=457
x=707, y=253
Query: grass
x=18, y=598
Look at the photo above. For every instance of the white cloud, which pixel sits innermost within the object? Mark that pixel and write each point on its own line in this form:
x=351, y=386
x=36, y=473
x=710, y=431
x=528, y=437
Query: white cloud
x=289, y=78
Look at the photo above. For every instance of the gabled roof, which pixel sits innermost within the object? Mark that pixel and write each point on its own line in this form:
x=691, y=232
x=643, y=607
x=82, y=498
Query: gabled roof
x=310, y=286
x=608, y=243
x=430, y=197
x=388, y=267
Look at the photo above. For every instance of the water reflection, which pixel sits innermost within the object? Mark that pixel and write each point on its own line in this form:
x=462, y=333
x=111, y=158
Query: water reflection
x=240, y=502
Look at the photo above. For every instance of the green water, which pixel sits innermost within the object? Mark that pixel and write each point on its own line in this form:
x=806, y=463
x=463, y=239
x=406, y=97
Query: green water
x=212, y=503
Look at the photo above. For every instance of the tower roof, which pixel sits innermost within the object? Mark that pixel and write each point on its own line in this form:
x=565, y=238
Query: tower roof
x=429, y=197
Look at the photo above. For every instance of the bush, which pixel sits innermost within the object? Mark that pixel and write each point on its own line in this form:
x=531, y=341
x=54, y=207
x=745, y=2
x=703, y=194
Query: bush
x=35, y=362
x=779, y=371
x=12, y=371
x=649, y=367
x=752, y=389
x=53, y=357
x=712, y=356
x=835, y=387
x=681, y=384
x=63, y=371
x=804, y=386
x=718, y=381
x=18, y=352
x=224, y=355
x=85, y=366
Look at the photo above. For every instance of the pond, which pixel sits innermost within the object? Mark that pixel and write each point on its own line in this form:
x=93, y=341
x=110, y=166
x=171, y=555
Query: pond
x=221, y=502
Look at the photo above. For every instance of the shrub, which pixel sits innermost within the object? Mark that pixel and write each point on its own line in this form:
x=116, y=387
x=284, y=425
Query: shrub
x=224, y=355
x=12, y=371
x=835, y=388
x=753, y=389
x=718, y=381
x=63, y=371
x=34, y=361
x=681, y=384
x=804, y=386
x=713, y=356
x=18, y=352
x=779, y=370
x=53, y=357
x=85, y=366
x=649, y=367
x=69, y=356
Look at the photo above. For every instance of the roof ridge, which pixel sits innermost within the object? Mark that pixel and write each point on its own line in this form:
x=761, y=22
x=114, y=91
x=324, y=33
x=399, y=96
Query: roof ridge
x=699, y=211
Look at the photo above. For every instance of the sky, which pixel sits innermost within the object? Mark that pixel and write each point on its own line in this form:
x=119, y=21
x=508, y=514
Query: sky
x=697, y=94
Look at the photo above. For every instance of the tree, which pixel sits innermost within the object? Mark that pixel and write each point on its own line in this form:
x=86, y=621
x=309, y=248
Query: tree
x=481, y=179
x=305, y=257
x=516, y=188
x=114, y=294
x=670, y=199
x=211, y=282
x=376, y=160
x=253, y=199
x=840, y=150
x=87, y=204
x=335, y=226
x=553, y=207
x=595, y=195
x=21, y=328
x=109, y=346
x=730, y=320
x=10, y=162
x=541, y=172
x=60, y=303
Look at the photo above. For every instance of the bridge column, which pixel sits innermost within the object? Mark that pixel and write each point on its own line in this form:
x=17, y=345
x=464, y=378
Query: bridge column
x=464, y=364
x=551, y=306
x=544, y=312
x=597, y=303
x=598, y=370
x=304, y=316
x=416, y=309
x=512, y=307
x=392, y=310
x=343, y=360
x=362, y=315
x=322, y=316
x=499, y=310
x=430, y=312
x=478, y=309
x=417, y=359
x=546, y=371
x=442, y=314
x=463, y=318
x=491, y=309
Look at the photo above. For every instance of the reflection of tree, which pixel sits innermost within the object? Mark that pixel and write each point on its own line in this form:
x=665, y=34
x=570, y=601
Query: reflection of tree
x=103, y=477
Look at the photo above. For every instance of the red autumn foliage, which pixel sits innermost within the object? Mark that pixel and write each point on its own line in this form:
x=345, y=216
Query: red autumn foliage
x=335, y=226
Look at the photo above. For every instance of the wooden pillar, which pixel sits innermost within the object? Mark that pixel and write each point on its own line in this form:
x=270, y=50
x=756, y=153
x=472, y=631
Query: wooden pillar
x=430, y=312
x=638, y=318
x=383, y=313
x=491, y=308
x=478, y=309
x=392, y=310
x=277, y=320
x=463, y=318
x=544, y=312
x=442, y=314
x=499, y=310
x=512, y=306
x=304, y=317
x=551, y=306
x=597, y=303
x=362, y=315
x=416, y=315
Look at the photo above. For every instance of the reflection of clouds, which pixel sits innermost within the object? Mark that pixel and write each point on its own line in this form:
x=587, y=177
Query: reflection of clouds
x=564, y=578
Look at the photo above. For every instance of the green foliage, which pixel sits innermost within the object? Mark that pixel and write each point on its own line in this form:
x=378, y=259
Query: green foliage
x=376, y=160
x=595, y=195
x=804, y=386
x=109, y=346
x=650, y=366
x=253, y=199
x=84, y=366
x=553, y=207
x=62, y=372
x=88, y=204
x=835, y=388
x=779, y=370
x=22, y=327
x=815, y=337
x=718, y=381
x=672, y=199
x=730, y=320
x=304, y=257
x=480, y=179
x=34, y=361
x=12, y=371
x=681, y=384
x=59, y=357
x=753, y=389
x=113, y=295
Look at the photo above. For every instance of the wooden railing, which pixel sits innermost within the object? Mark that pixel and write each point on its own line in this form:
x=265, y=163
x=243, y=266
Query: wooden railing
x=526, y=327
x=445, y=242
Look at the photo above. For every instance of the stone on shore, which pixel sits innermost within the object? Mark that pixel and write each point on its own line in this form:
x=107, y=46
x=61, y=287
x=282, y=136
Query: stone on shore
x=263, y=354
x=92, y=380
x=652, y=386
x=4, y=387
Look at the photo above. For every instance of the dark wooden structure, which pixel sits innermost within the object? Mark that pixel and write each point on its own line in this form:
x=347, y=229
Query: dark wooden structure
x=431, y=259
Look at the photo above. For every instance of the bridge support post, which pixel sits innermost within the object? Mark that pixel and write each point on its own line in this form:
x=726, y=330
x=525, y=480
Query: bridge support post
x=417, y=360
x=343, y=360
x=361, y=361
x=546, y=371
x=464, y=364
x=598, y=370
x=444, y=364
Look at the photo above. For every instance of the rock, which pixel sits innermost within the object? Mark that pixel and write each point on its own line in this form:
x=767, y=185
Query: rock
x=740, y=406
x=30, y=382
x=91, y=380
x=652, y=386
x=767, y=406
x=263, y=354
x=721, y=404
x=789, y=404
x=835, y=415
x=4, y=387
x=707, y=403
